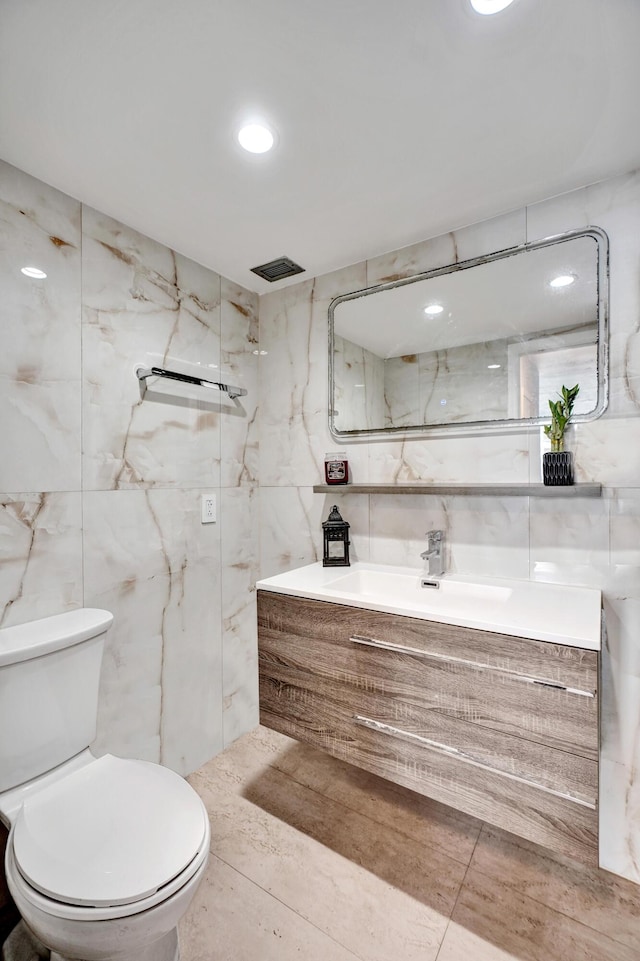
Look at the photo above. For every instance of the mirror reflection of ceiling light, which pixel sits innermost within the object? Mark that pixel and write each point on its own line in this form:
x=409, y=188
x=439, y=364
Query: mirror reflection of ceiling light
x=433, y=310
x=493, y=366
x=490, y=6
x=256, y=138
x=564, y=280
x=33, y=272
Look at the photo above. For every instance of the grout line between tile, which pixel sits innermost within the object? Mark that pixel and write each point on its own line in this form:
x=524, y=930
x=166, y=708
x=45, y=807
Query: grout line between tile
x=455, y=903
x=468, y=866
x=270, y=894
x=544, y=904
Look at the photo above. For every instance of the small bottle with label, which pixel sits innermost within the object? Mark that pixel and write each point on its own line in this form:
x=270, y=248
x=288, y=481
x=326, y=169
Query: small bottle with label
x=336, y=468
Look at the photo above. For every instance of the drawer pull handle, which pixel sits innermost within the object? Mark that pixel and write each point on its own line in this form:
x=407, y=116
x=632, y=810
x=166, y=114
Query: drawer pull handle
x=464, y=662
x=439, y=748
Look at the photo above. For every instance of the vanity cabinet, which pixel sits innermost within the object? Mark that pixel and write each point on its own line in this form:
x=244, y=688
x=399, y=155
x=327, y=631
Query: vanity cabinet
x=503, y=728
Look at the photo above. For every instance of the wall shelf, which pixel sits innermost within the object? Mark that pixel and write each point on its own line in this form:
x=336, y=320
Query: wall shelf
x=498, y=490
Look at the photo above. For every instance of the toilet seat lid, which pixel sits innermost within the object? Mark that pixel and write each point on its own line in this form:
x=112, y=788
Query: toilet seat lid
x=145, y=826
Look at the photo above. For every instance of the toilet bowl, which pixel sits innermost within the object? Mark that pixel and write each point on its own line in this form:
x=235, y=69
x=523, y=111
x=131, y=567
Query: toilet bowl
x=104, y=854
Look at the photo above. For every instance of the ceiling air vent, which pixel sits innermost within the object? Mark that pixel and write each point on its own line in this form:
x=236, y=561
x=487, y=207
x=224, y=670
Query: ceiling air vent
x=277, y=269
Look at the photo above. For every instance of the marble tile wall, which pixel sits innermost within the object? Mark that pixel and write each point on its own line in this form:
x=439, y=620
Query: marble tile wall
x=101, y=489
x=443, y=386
x=432, y=387
x=583, y=541
x=360, y=395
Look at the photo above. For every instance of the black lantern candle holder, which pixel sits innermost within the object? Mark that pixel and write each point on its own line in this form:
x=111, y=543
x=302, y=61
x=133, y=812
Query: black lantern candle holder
x=336, y=540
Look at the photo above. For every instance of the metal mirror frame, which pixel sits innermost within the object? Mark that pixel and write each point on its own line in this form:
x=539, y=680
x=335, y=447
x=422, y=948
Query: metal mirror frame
x=488, y=426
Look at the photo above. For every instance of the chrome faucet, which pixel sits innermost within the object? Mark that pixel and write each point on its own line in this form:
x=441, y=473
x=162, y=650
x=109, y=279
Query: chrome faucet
x=434, y=553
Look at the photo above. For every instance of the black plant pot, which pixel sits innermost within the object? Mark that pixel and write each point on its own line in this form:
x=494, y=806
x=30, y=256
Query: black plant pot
x=557, y=468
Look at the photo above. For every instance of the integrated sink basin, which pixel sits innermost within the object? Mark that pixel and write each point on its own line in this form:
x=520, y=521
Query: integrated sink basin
x=561, y=614
x=404, y=585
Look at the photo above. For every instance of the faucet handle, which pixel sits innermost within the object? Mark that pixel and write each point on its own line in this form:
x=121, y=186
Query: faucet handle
x=434, y=553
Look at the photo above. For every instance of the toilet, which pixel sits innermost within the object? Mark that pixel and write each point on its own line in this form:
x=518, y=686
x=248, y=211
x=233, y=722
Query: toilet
x=104, y=854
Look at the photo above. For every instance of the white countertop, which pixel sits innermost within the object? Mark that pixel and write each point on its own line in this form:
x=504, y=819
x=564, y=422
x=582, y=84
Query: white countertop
x=558, y=613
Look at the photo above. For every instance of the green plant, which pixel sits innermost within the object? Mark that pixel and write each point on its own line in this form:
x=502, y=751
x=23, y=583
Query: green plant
x=560, y=415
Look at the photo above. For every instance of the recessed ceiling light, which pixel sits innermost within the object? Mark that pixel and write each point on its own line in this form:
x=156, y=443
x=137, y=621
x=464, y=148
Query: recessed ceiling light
x=256, y=138
x=490, y=6
x=433, y=310
x=564, y=280
x=493, y=366
x=33, y=272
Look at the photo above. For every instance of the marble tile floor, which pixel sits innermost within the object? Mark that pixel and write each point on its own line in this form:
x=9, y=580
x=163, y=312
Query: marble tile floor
x=313, y=859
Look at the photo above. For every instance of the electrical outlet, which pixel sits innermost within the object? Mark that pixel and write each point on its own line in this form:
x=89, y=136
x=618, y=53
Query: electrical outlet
x=208, y=508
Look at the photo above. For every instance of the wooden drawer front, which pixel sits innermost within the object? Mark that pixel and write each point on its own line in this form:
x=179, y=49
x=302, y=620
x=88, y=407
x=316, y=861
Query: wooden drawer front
x=474, y=732
x=570, y=667
x=420, y=678
x=512, y=703
x=557, y=772
x=314, y=717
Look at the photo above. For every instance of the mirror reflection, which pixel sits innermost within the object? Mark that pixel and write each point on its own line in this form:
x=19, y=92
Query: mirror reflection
x=482, y=343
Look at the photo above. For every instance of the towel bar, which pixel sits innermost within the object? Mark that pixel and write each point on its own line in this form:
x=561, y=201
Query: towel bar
x=144, y=372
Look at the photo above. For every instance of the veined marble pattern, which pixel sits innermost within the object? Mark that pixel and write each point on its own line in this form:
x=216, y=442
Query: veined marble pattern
x=619, y=813
x=443, y=386
x=40, y=321
x=620, y=720
x=71, y=347
x=239, y=361
x=402, y=390
x=290, y=387
x=294, y=433
x=293, y=392
x=621, y=681
x=289, y=519
x=570, y=546
x=607, y=451
x=483, y=535
x=143, y=301
x=140, y=299
x=359, y=387
x=40, y=555
x=577, y=541
x=150, y=561
x=477, y=459
x=293, y=517
x=464, y=243
x=239, y=524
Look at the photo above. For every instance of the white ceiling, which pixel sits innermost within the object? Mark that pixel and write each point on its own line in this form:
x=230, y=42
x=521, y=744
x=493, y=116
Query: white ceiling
x=395, y=121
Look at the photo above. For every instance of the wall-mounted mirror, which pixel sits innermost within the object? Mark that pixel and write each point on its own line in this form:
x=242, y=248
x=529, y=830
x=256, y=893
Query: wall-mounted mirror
x=480, y=344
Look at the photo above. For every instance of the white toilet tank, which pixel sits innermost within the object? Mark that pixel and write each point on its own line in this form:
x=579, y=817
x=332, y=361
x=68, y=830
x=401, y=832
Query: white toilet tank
x=49, y=676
